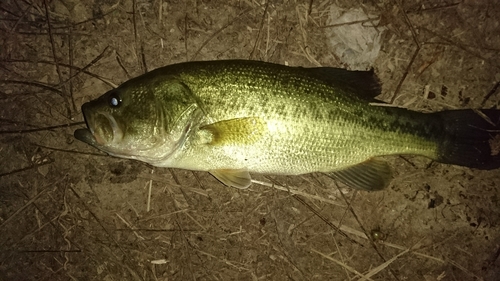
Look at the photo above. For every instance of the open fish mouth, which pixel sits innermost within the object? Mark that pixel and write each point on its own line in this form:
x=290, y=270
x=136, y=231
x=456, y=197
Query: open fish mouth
x=102, y=129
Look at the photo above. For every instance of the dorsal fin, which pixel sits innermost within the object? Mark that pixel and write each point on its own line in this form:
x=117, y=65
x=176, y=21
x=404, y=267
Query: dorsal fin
x=365, y=84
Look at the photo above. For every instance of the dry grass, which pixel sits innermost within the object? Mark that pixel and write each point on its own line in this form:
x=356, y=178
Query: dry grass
x=68, y=212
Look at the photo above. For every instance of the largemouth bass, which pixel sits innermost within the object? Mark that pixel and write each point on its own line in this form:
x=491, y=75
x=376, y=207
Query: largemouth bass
x=232, y=118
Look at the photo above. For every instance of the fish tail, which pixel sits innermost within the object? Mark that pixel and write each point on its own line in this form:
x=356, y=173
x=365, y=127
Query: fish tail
x=471, y=138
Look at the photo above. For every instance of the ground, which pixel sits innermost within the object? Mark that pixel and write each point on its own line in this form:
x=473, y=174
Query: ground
x=70, y=212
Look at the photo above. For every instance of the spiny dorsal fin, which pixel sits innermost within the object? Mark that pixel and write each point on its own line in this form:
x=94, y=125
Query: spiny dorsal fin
x=239, y=178
x=371, y=175
x=364, y=84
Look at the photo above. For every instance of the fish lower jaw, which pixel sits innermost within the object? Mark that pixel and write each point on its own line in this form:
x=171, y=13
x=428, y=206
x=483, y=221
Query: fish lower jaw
x=176, y=161
x=157, y=161
x=160, y=155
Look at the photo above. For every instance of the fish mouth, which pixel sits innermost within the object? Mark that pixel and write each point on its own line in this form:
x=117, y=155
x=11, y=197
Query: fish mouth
x=102, y=129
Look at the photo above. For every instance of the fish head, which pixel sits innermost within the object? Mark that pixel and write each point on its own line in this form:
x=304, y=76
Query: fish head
x=137, y=121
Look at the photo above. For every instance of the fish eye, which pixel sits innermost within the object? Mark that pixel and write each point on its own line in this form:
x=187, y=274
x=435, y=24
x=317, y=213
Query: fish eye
x=114, y=100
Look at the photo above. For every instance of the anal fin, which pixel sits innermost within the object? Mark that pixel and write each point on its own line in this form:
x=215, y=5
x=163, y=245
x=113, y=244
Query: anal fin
x=239, y=178
x=371, y=175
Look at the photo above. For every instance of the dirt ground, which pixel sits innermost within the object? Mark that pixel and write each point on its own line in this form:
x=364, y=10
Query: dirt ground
x=69, y=212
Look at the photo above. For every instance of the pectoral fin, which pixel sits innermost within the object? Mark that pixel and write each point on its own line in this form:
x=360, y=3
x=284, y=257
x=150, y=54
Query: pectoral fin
x=239, y=178
x=246, y=130
x=371, y=175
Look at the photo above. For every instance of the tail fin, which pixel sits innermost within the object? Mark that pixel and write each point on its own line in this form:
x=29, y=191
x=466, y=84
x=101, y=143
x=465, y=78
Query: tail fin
x=471, y=138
